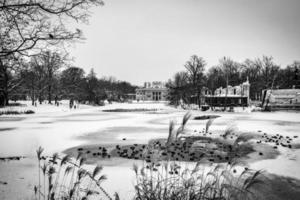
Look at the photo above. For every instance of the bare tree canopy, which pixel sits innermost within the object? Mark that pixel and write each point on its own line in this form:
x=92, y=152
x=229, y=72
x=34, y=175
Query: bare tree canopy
x=195, y=68
x=28, y=24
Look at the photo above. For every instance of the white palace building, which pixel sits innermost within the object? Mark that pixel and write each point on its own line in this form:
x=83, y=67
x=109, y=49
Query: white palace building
x=155, y=91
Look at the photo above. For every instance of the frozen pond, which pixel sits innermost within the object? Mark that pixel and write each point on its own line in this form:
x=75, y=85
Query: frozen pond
x=58, y=128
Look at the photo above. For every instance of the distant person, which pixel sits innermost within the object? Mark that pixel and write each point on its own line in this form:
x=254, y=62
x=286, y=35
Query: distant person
x=71, y=103
x=56, y=100
x=75, y=105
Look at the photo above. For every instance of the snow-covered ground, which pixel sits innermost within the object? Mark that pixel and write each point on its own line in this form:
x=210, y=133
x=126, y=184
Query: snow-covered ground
x=59, y=128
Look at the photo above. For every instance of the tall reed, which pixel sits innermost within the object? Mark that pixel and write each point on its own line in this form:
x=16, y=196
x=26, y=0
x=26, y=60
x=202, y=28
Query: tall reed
x=173, y=181
x=39, y=152
x=68, y=179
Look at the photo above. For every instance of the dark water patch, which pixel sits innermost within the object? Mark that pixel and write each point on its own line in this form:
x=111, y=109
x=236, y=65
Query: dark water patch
x=38, y=128
x=277, y=187
x=279, y=140
x=286, y=123
x=15, y=112
x=91, y=151
x=46, y=122
x=295, y=146
x=16, y=104
x=251, y=118
x=11, y=158
x=274, y=121
x=86, y=114
x=205, y=117
x=262, y=152
x=130, y=110
x=159, y=112
x=6, y=129
x=11, y=119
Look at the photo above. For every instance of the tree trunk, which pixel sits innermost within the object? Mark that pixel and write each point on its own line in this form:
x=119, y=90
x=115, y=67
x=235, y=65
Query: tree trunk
x=49, y=94
x=225, y=107
x=3, y=85
x=33, y=91
x=40, y=97
x=32, y=97
x=50, y=77
x=199, y=98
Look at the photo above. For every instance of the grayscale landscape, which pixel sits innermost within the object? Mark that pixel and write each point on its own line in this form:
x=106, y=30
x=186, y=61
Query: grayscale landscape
x=146, y=100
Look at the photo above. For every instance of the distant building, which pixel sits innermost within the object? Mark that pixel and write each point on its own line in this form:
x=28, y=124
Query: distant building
x=155, y=91
x=242, y=90
x=281, y=99
x=231, y=96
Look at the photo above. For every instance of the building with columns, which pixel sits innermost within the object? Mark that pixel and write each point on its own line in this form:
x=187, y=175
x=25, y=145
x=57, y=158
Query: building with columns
x=155, y=91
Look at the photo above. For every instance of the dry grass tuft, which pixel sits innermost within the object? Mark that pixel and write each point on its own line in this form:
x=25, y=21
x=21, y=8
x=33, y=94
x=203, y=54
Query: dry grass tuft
x=67, y=179
x=171, y=181
x=208, y=124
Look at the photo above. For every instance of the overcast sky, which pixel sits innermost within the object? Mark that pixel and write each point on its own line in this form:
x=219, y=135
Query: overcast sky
x=149, y=40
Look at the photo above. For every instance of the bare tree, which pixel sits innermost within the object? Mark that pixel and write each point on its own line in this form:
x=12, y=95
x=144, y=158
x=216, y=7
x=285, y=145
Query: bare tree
x=195, y=69
x=178, y=87
x=215, y=78
x=8, y=76
x=30, y=25
x=38, y=72
x=51, y=61
x=27, y=24
x=180, y=79
x=250, y=70
x=269, y=70
x=30, y=77
x=229, y=67
x=72, y=83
